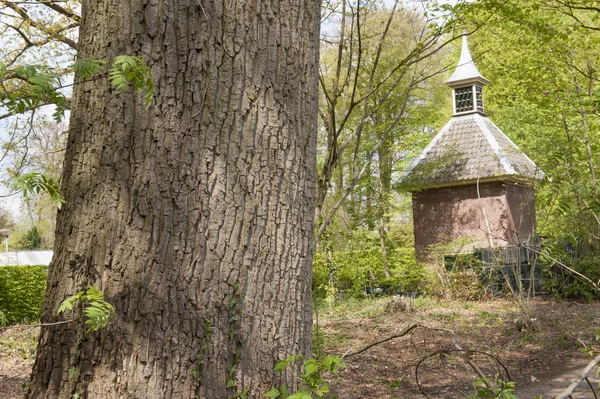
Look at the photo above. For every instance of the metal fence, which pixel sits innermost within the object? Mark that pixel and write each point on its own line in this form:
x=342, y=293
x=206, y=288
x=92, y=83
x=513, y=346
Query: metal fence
x=25, y=258
x=499, y=267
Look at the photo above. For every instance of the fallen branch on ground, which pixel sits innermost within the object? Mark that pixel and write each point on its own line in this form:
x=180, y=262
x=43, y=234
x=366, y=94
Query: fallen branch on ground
x=466, y=357
x=399, y=335
x=567, y=393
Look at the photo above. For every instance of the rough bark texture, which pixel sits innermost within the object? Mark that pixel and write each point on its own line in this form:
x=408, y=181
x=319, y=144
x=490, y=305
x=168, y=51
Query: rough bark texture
x=444, y=215
x=195, y=216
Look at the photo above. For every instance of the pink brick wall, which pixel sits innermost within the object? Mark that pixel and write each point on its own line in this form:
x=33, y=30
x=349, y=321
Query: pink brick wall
x=521, y=202
x=444, y=215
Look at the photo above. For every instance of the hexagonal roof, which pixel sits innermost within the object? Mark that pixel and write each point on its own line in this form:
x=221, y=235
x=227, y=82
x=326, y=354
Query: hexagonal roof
x=468, y=149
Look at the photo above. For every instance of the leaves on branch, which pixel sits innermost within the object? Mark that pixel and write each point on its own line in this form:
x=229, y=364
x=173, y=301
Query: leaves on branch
x=128, y=70
x=314, y=385
x=86, y=68
x=26, y=88
x=36, y=183
x=97, y=311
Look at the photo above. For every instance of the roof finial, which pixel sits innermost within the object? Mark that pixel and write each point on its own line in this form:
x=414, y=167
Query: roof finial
x=466, y=72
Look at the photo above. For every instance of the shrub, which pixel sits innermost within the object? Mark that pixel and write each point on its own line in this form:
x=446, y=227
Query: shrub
x=461, y=278
x=21, y=292
x=564, y=284
x=30, y=239
x=355, y=267
x=407, y=276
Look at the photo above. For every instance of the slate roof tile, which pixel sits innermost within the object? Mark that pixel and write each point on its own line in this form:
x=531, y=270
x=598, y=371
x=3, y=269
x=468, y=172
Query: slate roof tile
x=468, y=148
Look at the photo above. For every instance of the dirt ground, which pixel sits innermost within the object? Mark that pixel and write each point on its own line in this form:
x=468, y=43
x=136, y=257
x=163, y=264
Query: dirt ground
x=542, y=361
x=17, y=354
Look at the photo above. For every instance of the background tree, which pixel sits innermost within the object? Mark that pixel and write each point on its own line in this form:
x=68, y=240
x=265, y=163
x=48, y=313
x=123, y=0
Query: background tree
x=195, y=215
x=541, y=60
x=381, y=84
x=359, y=75
x=39, y=40
x=31, y=239
x=39, y=149
x=6, y=219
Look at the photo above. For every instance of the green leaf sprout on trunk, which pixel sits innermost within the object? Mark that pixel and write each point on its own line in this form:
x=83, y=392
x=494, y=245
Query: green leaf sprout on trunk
x=97, y=311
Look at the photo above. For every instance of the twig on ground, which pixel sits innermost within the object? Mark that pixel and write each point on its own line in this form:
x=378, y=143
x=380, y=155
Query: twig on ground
x=591, y=387
x=490, y=384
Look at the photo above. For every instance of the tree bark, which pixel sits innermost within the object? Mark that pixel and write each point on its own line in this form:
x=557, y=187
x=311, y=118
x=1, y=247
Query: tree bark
x=385, y=159
x=194, y=216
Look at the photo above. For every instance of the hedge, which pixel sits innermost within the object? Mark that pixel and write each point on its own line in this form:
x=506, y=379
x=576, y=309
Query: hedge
x=21, y=291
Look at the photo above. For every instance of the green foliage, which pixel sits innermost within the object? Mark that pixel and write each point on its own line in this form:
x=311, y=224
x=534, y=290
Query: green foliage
x=21, y=292
x=86, y=68
x=128, y=70
x=31, y=239
x=35, y=183
x=564, y=284
x=544, y=94
x=314, y=383
x=406, y=274
x=97, y=311
x=356, y=266
x=31, y=86
x=501, y=390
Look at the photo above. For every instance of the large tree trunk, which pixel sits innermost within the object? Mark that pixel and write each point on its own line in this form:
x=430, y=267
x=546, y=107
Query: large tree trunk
x=195, y=216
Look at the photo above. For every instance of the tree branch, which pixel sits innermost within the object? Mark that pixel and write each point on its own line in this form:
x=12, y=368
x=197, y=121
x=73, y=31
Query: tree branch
x=54, y=35
x=61, y=10
x=36, y=325
x=583, y=376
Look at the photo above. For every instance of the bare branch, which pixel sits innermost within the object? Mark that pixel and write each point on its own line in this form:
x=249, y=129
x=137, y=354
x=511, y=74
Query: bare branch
x=61, y=10
x=58, y=35
x=406, y=331
x=36, y=325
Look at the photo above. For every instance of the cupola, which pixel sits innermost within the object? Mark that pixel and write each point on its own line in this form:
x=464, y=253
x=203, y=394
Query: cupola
x=467, y=84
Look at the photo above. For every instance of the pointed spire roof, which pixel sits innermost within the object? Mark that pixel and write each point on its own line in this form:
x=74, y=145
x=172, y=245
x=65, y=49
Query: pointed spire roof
x=466, y=72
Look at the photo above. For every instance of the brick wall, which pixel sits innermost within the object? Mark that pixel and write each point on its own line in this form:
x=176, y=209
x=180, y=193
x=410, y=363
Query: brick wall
x=444, y=215
x=521, y=202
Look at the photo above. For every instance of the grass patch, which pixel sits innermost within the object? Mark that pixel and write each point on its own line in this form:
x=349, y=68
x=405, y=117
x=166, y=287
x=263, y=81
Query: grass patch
x=19, y=342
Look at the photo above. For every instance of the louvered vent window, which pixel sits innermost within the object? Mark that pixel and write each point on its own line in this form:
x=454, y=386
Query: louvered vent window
x=479, y=98
x=464, y=99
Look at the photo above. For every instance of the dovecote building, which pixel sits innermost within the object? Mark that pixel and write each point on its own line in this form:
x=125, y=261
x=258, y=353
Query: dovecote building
x=471, y=181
